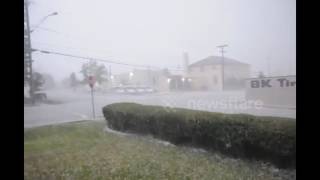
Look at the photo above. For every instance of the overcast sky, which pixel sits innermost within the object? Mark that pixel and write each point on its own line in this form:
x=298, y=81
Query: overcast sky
x=157, y=32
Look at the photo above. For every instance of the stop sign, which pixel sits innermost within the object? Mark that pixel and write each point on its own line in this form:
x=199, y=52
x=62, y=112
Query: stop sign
x=92, y=81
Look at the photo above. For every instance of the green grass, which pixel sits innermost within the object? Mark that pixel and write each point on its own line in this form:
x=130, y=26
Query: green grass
x=84, y=151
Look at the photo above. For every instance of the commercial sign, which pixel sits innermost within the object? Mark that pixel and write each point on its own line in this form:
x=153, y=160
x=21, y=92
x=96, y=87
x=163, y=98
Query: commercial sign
x=273, y=82
x=273, y=91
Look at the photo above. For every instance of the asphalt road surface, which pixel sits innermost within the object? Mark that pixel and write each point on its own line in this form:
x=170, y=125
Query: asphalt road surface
x=75, y=106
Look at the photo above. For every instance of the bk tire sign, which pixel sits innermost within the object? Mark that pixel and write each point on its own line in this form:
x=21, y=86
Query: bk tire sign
x=273, y=91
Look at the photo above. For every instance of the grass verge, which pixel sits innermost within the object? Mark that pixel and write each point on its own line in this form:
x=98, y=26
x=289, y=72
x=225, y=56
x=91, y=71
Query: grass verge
x=84, y=151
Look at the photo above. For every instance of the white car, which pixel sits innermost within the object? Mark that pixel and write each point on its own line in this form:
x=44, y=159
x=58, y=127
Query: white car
x=150, y=90
x=119, y=90
x=131, y=90
x=141, y=90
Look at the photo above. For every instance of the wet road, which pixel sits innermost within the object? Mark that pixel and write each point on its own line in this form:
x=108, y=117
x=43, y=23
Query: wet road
x=76, y=106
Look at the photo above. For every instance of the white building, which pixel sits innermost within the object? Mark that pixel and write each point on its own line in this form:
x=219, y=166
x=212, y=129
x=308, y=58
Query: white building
x=207, y=74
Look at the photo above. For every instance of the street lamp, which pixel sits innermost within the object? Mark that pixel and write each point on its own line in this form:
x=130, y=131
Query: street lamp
x=131, y=74
x=28, y=36
x=183, y=79
x=169, y=86
x=43, y=19
x=111, y=77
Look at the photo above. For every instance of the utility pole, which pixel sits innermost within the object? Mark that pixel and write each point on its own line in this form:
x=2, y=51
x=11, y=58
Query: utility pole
x=109, y=73
x=222, y=55
x=28, y=49
x=268, y=67
x=28, y=52
x=150, y=82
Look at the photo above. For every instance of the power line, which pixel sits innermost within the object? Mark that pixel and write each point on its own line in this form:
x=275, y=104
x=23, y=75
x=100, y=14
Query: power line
x=82, y=57
x=98, y=59
x=68, y=36
x=75, y=48
x=95, y=59
x=49, y=30
x=56, y=45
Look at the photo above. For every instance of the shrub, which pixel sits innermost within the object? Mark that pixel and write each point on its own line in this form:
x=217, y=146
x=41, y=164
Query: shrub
x=271, y=139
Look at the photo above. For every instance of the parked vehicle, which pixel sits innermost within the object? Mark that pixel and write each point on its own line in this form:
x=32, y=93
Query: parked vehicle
x=40, y=95
x=118, y=90
x=150, y=90
x=132, y=90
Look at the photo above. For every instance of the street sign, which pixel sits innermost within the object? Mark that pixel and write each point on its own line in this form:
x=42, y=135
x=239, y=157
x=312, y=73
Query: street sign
x=92, y=81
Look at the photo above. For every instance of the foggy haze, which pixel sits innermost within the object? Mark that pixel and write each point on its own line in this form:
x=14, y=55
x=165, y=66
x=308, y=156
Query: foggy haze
x=156, y=33
x=210, y=84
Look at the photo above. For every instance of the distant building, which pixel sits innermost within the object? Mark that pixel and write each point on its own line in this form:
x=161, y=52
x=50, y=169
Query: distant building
x=179, y=82
x=206, y=74
x=156, y=79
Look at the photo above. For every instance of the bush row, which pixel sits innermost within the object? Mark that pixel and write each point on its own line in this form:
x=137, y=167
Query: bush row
x=270, y=139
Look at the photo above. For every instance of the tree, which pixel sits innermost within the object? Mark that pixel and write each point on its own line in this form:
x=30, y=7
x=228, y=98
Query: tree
x=49, y=81
x=93, y=69
x=73, y=80
x=37, y=81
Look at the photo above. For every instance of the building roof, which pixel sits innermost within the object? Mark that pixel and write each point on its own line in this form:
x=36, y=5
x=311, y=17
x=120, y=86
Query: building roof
x=215, y=60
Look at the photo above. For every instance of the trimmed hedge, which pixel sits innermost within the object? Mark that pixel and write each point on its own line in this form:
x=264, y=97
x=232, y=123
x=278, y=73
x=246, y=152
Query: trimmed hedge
x=270, y=139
